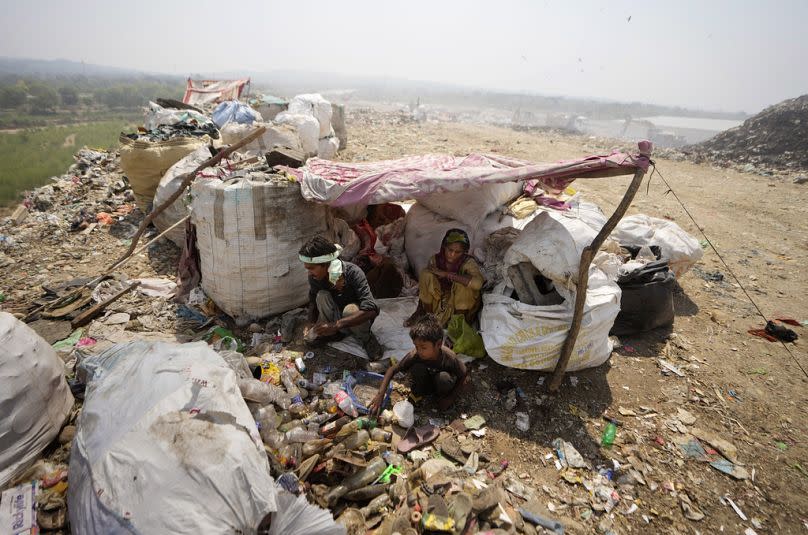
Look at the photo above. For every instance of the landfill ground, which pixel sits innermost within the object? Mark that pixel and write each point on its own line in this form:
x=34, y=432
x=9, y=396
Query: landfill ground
x=735, y=386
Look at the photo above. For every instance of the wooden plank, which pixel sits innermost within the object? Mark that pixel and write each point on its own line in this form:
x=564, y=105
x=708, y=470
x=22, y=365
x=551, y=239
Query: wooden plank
x=85, y=317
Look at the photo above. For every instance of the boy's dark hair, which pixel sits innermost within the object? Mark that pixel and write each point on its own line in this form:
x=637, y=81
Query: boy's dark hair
x=427, y=328
x=317, y=246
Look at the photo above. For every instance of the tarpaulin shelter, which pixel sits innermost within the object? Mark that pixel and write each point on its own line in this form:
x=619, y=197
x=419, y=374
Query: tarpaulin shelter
x=346, y=184
x=199, y=92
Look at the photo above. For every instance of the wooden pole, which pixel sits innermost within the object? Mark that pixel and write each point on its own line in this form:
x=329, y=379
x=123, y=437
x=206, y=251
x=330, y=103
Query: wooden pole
x=583, y=280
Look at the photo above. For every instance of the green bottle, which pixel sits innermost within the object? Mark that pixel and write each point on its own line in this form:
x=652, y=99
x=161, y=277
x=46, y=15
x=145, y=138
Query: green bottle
x=608, y=435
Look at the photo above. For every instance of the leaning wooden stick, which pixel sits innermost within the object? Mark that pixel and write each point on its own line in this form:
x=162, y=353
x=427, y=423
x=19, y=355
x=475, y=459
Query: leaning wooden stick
x=587, y=255
x=189, y=177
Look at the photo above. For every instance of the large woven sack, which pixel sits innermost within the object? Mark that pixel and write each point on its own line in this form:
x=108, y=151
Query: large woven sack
x=145, y=162
x=34, y=397
x=166, y=444
x=169, y=184
x=249, y=230
x=530, y=337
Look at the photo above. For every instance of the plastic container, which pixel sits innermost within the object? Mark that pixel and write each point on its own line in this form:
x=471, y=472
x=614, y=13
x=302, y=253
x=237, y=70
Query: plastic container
x=365, y=378
x=404, y=414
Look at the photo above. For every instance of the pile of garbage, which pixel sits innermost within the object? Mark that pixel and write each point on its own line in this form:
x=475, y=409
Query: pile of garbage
x=771, y=140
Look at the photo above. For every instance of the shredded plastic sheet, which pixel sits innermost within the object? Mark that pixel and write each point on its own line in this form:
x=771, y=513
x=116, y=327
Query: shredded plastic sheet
x=343, y=184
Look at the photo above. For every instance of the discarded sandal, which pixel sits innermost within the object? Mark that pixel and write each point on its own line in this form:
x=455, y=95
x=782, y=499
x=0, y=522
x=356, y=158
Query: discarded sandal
x=418, y=437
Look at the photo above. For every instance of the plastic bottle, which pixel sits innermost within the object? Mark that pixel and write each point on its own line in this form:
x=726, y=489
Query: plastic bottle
x=315, y=446
x=308, y=385
x=272, y=437
x=393, y=459
x=288, y=426
x=608, y=435
x=331, y=428
x=360, y=479
x=318, y=419
x=266, y=417
x=288, y=380
x=357, y=440
x=263, y=393
x=299, y=434
x=298, y=409
x=380, y=435
x=345, y=403
x=356, y=425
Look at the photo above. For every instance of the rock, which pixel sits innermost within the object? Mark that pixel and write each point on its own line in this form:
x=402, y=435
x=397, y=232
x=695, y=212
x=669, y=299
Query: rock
x=801, y=179
x=67, y=434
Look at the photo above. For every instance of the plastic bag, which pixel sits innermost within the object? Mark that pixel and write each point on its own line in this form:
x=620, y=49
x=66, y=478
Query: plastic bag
x=465, y=339
x=233, y=111
x=679, y=248
x=307, y=129
x=166, y=444
x=34, y=397
x=315, y=105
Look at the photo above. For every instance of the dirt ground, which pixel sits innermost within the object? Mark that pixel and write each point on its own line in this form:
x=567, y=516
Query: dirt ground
x=740, y=387
x=760, y=227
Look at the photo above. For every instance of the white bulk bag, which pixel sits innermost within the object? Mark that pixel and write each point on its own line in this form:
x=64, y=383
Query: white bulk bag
x=166, y=444
x=308, y=129
x=169, y=184
x=327, y=147
x=552, y=242
x=315, y=105
x=249, y=230
x=679, y=248
x=530, y=337
x=276, y=135
x=474, y=204
x=34, y=397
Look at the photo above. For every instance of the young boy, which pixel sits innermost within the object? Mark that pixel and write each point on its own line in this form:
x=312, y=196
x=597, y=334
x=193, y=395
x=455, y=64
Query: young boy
x=434, y=368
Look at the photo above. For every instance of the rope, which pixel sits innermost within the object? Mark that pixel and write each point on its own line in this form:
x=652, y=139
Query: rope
x=721, y=258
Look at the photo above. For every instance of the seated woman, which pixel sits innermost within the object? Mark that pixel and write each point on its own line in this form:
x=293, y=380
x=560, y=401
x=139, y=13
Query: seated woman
x=451, y=283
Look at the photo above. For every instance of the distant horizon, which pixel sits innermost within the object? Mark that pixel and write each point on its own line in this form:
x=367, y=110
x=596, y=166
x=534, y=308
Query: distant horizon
x=125, y=70
x=723, y=55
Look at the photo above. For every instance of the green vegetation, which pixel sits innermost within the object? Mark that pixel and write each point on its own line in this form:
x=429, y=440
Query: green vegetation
x=28, y=158
x=29, y=101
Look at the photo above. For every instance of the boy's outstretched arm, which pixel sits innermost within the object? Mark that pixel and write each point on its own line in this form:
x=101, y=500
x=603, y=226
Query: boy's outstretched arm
x=376, y=404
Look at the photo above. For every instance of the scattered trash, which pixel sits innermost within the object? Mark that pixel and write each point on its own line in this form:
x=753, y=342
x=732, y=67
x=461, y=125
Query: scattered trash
x=522, y=421
x=667, y=367
x=474, y=422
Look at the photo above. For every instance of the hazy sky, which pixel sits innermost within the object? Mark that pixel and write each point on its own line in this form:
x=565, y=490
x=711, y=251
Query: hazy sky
x=724, y=55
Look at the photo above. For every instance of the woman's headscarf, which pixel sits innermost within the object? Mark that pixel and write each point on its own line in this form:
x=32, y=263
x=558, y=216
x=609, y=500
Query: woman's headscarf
x=453, y=235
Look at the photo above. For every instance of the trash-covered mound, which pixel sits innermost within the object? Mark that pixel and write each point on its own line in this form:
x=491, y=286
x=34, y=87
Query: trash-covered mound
x=772, y=139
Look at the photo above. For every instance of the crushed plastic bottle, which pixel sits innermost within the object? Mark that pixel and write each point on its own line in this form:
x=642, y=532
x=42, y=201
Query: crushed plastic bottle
x=299, y=434
x=263, y=393
x=345, y=403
